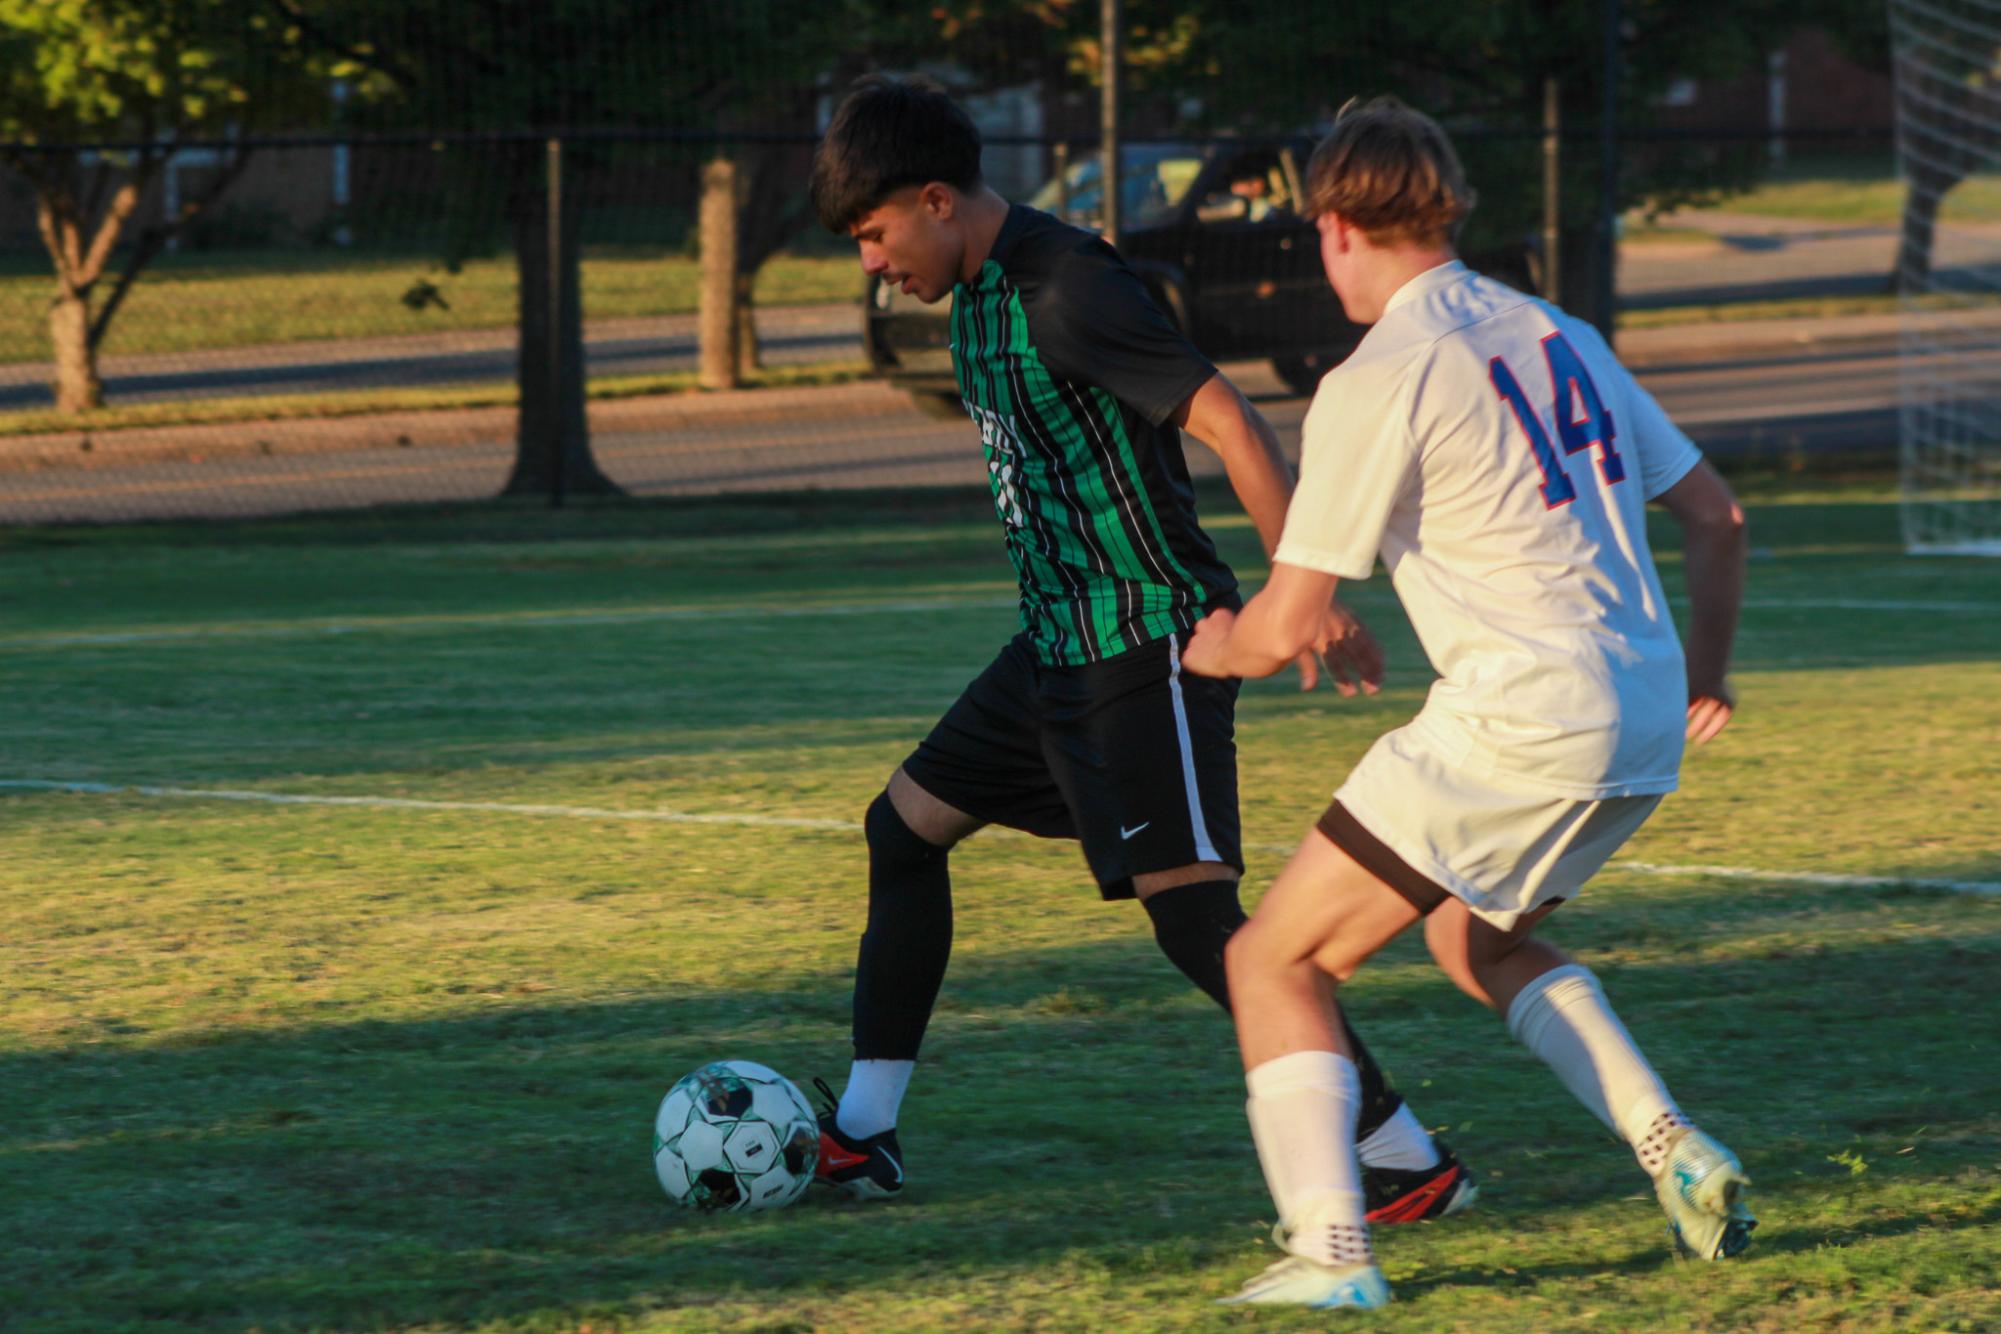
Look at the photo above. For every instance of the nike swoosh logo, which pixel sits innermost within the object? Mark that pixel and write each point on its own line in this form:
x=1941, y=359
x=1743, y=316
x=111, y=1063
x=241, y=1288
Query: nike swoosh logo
x=1128, y=833
x=891, y=1159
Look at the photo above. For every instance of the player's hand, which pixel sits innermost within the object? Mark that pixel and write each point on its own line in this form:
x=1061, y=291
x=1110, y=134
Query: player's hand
x=1204, y=655
x=1347, y=651
x=1709, y=711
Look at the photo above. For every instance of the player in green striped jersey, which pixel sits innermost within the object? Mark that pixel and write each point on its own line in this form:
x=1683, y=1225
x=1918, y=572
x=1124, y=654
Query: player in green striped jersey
x=1084, y=726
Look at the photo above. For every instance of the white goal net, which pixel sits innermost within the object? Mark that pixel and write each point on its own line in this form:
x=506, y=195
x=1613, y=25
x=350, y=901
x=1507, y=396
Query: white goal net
x=1948, y=75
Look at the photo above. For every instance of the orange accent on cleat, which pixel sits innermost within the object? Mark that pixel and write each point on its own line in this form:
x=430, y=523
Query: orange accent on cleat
x=1412, y=1207
x=834, y=1158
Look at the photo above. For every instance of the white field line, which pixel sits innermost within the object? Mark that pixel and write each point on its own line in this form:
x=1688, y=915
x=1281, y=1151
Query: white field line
x=526, y=619
x=1863, y=604
x=852, y=827
x=641, y=616
x=416, y=804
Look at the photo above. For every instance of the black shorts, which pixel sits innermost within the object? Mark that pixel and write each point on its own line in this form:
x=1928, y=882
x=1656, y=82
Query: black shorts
x=1129, y=755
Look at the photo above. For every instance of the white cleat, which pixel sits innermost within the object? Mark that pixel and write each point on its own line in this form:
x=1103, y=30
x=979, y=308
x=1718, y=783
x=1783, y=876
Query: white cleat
x=1297, y=1281
x=1702, y=1188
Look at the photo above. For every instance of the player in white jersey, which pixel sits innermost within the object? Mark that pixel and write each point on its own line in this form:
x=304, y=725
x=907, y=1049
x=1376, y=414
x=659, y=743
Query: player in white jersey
x=1498, y=458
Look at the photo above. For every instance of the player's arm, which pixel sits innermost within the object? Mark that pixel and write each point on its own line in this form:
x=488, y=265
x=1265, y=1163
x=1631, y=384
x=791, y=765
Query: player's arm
x=1714, y=550
x=1221, y=417
x=1287, y=618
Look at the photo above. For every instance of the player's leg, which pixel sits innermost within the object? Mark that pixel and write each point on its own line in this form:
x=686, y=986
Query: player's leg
x=978, y=765
x=1147, y=758
x=1556, y=1008
x=1323, y=916
x=905, y=947
x=1407, y=1175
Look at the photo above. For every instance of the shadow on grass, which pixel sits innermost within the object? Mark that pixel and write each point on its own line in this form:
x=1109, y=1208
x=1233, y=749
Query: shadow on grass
x=1078, y=1105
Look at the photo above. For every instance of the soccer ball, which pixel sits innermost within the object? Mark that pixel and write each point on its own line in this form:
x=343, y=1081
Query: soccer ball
x=735, y=1136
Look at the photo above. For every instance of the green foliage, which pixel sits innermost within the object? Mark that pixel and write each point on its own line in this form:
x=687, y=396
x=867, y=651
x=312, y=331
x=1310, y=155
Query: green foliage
x=83, y=70
x=1478, y=65
x=537, y=65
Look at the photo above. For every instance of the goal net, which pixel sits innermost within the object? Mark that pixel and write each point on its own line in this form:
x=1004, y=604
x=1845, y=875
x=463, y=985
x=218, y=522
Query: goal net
x=1948, y=76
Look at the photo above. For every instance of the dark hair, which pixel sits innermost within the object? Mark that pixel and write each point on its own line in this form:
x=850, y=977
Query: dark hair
x=1391, y=171
x=886, y=134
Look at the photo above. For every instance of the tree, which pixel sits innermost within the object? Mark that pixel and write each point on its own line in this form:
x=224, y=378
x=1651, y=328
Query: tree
x=1477, y=65
x=146, y=77
x=527, y=71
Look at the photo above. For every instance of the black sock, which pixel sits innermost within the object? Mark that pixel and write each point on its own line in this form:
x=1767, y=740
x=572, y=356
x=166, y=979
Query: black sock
x=1379, y=1100
x=1192, y=923
x=908, y=940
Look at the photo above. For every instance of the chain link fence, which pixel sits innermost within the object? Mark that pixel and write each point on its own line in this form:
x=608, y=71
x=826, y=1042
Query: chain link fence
x=358, y=315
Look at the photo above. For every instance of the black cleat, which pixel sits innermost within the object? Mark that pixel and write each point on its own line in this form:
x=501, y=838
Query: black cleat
x=1400, y=1195
x=867, y=1169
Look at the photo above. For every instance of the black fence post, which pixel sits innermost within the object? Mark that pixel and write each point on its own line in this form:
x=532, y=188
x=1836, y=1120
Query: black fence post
x=1606, y=312
x=1552, y=191
x=1110, y=56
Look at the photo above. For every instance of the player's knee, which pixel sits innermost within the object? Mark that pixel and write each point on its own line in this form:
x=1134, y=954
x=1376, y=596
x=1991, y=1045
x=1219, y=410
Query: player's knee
x=1248, y=952
x=891, y=842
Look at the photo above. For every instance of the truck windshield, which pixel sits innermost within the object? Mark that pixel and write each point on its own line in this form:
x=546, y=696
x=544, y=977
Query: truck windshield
x=1153, y=180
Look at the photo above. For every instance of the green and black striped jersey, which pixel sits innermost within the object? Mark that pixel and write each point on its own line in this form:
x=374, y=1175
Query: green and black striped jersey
x=1073, y=374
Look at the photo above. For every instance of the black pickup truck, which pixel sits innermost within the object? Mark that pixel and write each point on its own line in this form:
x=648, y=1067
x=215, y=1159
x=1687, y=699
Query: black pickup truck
x=1215, y=232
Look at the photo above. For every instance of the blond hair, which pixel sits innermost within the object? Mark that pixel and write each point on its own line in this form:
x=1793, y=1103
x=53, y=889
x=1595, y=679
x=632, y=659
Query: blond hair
x=1390, y=171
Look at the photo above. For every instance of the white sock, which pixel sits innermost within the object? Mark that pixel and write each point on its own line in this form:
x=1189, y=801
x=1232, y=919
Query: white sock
x=874, y=1093
x=1302, y=1111
x=1400, y=1142
x=1563, y=1018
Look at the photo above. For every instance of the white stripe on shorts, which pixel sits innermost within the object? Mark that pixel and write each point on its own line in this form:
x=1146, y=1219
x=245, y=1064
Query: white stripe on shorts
x=1205, y=851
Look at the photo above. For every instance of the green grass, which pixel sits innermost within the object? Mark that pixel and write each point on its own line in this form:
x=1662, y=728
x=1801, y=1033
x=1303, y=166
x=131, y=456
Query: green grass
x=322, y=1067
x=1843, y=188
x=196, y=302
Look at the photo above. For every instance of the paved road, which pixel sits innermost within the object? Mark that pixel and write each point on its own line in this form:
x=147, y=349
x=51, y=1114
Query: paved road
x=1768, y=399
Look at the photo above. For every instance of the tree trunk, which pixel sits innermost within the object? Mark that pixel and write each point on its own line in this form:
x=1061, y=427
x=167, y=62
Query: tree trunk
x=718, y=322
x=77, y=386
x=552, y=447
x=749, y=354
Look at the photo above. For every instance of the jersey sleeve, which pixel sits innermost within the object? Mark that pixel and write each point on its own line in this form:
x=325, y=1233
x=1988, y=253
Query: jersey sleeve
x=1665, y=452
x=1357, y=457
x=1093, y=322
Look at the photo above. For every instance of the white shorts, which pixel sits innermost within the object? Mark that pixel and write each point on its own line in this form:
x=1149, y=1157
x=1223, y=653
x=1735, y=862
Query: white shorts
x=1501, y=850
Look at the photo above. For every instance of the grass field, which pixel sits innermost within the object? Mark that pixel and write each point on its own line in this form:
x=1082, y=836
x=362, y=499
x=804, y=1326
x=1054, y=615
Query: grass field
x=1856, y=188
x=193, y=302
x=368, y=1066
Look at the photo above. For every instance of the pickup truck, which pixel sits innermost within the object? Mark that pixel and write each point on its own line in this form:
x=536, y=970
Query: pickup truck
x=1214, y=231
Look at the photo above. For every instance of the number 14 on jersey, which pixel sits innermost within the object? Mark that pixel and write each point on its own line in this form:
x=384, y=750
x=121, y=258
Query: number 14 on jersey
x=1582, y=420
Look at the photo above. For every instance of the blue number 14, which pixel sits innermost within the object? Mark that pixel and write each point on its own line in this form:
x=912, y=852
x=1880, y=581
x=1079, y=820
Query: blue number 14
x=1573, y=390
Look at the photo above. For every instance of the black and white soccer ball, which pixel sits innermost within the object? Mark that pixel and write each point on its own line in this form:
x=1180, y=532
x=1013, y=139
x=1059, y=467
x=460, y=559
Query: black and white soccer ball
x=735, y=1136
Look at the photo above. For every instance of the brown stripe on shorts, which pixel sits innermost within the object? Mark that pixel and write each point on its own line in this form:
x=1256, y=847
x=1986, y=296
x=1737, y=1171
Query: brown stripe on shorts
x=1347, y=834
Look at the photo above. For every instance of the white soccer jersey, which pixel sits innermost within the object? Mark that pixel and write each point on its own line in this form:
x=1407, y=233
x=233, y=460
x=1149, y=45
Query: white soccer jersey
x=1499, y=458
